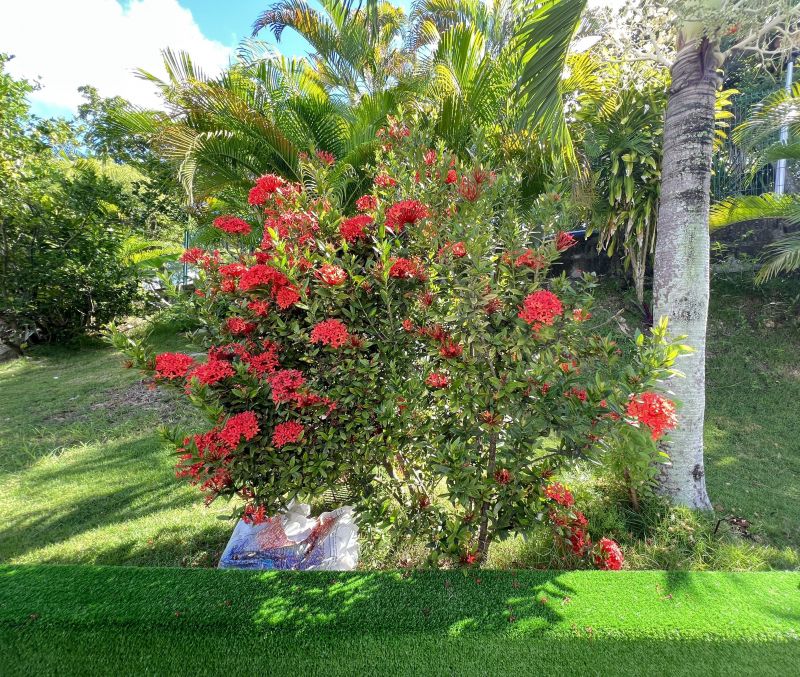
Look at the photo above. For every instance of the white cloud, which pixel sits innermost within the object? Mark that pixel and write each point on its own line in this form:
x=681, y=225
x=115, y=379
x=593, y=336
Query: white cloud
x=100, y=43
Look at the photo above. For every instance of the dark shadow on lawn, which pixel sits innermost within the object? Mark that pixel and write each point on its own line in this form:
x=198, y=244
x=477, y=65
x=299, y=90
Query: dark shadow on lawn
x=37, y=529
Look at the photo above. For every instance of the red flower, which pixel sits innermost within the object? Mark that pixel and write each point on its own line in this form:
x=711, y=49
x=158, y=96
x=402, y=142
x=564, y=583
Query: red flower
x=451, y=177
x=325, y=157
x=331, y=333
x=263, y=363
x=577, y=392
x=264, y=189
x=581, y=315
x=286, y=297
x=366, y=203
x=383, y=180
x=469, y=558
x=564, y=241
x=469, y=189
x=406, y=269
x=530, y=259
x=654, y=411
x=560, y=494
x=608, y=555
x=284, y=385
x=232, y=270
x=408, y=325
x=237, y=325
x=429, y=157
x=540, y=308
x=403, y=213
x=451, y=349
x=436, y=380
x=493, y=306
x=260, y=308
x=352, y=229
x=286, y=433
x=261, y=275
x=502, y=476
x=254, y=515
x=239, y=427
x=458, y=250
x=232, y=225
x=173, y=365
x=212, y=371
x=426, y=299
x=331, y=274
x=192, y=255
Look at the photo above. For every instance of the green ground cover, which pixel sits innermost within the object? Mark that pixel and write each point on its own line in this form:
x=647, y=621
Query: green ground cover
x=87, y=479
x=126, y=620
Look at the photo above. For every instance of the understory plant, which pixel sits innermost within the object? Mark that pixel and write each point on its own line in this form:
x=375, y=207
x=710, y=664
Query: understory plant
x=417, y=347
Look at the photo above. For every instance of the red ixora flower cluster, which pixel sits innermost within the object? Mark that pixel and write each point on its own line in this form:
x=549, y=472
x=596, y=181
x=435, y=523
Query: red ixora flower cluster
x=560, y=494
x=354, y=228
x=205, y=458
x=564, y=241
x=367, y=203
x=232, y=225
x=325, y=157
x=331, y=333
x=265, y=188
x=404, y=213
x=173, y=365
x=540, y=308
x=239, y=326
x=571, y=527
x=437, y=381
x=331, y=274
x=286, y=433
x=654, y=411
x=407, y=269
x=211, y=372
x=530, y=259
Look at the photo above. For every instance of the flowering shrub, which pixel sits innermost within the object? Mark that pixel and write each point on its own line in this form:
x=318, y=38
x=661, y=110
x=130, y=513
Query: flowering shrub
x=419, y=351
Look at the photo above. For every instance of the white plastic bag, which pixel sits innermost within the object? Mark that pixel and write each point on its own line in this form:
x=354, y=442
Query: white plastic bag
x=293, y=540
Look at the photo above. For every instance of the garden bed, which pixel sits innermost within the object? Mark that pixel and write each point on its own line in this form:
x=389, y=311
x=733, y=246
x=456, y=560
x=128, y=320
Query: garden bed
x=122, y=620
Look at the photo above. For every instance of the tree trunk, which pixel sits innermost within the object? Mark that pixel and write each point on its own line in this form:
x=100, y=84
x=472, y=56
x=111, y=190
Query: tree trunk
x=681, y=275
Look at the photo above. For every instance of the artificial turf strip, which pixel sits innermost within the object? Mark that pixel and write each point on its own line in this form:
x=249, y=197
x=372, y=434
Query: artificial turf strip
x=104, y=620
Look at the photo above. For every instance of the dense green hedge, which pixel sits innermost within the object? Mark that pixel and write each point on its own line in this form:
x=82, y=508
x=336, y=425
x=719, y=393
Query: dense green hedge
x=119, y=620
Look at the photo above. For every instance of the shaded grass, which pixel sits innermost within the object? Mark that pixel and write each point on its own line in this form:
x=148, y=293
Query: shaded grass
x=86, y=477
x=752, y=424
x=95, y=620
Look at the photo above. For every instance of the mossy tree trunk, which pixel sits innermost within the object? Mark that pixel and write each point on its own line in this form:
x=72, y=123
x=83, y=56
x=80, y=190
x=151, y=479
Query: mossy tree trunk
x=681, y=274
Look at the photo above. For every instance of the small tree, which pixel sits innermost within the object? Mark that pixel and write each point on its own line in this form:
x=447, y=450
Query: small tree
x=416, y=351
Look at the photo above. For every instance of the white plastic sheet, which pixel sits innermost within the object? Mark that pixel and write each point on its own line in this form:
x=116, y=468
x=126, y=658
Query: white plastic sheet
x=294, y=540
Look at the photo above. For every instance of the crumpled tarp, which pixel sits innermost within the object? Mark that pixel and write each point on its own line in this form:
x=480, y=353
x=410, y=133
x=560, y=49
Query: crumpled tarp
x=293, y=540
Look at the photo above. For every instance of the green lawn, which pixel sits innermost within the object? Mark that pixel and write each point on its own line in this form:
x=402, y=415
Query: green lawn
x=85, y=475
x=124, y=620
x=86, y=478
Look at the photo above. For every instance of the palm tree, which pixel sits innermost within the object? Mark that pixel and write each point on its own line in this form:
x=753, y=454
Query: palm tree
x=357, y=48
x=757, y=135
x=256, y=118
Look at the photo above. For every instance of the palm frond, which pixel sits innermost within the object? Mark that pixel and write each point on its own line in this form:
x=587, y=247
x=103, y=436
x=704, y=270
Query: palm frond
x=752, y=207
x=544, y=40
x=781, y=256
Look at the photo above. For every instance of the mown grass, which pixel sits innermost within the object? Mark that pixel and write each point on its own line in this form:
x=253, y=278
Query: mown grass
x=122, y=620
x=87, y=479
x=85, y=475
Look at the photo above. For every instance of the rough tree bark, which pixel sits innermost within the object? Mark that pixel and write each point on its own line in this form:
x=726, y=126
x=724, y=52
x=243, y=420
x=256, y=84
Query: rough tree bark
x=681, y=274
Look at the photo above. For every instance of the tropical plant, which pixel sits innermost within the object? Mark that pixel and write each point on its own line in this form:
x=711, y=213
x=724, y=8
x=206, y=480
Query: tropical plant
x=357, y=47
x=415, y=351
x=757, y=135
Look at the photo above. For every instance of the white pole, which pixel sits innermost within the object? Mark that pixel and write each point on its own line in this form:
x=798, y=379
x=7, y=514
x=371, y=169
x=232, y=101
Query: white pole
x=780, y=168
